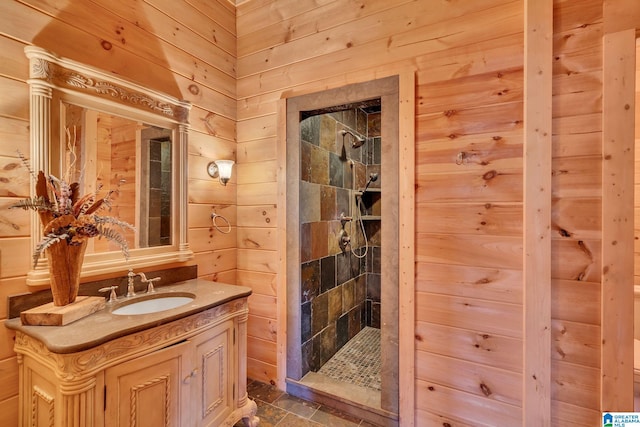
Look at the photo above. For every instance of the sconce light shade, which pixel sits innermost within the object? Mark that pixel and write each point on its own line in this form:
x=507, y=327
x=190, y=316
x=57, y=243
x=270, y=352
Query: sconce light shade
x=220, y=169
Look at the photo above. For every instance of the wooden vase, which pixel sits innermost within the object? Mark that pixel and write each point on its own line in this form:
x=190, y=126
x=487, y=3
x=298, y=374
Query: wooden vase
x=65, y=266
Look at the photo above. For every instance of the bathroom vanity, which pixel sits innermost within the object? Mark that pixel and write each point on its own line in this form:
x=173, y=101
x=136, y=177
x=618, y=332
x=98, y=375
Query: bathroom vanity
x=145, y=364
x=182, y=366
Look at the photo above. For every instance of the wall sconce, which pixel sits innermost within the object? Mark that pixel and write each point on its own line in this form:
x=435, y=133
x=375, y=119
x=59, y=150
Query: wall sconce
x=220, y=169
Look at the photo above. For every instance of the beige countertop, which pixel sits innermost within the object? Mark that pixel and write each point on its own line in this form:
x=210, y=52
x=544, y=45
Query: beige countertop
x=104, y=326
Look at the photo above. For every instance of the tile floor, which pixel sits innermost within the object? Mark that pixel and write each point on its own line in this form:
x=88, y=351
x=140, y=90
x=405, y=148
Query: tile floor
x=358, y=363
x=277, y=408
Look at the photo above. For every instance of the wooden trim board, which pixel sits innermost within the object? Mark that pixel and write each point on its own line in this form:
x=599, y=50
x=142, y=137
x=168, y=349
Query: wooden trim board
x=537, y=212
x=618, y=110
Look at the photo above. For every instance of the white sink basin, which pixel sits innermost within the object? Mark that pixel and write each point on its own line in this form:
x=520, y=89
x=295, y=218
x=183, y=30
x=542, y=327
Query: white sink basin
x=153, y=305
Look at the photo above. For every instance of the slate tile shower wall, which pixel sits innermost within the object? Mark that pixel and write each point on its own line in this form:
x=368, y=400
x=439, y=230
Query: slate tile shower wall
x=340, y=293
x=156, y=145
x=159, y=204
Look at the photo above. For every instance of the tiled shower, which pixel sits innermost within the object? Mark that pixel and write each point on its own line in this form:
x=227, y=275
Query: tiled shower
x=340, y=292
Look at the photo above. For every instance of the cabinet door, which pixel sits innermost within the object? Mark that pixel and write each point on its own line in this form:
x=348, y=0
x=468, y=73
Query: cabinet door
x=212, y=385
x=148, y=391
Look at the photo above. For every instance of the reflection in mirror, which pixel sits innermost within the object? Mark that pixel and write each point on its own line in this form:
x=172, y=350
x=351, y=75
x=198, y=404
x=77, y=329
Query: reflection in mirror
x=107, y=152
x=155, y=200
x=125, y=137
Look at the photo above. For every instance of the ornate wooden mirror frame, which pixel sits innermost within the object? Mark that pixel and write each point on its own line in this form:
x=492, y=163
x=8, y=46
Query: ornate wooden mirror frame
x=53, y=79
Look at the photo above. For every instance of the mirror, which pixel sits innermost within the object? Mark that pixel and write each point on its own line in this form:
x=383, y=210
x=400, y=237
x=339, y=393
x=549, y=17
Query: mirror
x=109, y=134
x=106, y=152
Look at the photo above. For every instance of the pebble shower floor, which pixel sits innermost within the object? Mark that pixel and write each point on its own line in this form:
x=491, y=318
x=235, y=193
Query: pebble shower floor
x=358, y=362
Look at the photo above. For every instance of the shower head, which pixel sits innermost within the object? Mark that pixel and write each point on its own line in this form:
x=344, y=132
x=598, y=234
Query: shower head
x=358, y=141
x=372, y=178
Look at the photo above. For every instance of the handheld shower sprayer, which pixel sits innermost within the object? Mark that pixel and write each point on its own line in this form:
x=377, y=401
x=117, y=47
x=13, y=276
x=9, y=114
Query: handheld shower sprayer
x=357, y=218
x=373, y=177
x=358, y=141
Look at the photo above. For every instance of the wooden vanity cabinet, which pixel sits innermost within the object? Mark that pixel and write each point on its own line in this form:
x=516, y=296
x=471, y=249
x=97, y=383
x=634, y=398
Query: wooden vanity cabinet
x=189, y=372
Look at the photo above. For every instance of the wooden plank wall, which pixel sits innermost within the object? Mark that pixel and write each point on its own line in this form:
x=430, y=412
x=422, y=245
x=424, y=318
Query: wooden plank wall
x=469, y=176
x=186, y=48
x=576, y=212
x=469, y=140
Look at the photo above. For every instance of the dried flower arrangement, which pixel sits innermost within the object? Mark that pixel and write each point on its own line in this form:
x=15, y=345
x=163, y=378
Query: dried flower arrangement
x=70, y=217
x=69, y=220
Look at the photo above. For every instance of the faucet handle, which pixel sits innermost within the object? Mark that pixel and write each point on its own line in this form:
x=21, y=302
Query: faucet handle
x=112, y=292
x=150, y=288
x=149, y=282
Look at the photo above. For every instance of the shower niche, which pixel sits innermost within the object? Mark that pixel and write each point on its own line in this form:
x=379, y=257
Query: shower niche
x=342, y=276
x=371, y=201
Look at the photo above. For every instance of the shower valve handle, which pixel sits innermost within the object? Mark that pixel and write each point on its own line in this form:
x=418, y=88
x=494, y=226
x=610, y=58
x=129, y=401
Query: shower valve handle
x=344, y=218
x=345, y=240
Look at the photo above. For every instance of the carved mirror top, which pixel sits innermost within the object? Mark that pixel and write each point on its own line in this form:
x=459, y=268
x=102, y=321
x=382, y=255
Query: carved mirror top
x=67, y=75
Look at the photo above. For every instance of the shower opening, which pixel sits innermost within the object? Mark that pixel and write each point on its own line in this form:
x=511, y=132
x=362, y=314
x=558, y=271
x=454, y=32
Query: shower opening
x=342, y=257
x=340, y=242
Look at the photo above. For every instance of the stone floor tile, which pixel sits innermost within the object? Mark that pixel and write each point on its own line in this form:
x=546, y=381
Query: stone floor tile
x=297, y=406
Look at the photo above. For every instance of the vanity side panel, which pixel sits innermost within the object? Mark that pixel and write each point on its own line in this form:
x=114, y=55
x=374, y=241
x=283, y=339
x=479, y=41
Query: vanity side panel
x=41, y=405
x=52, y=400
